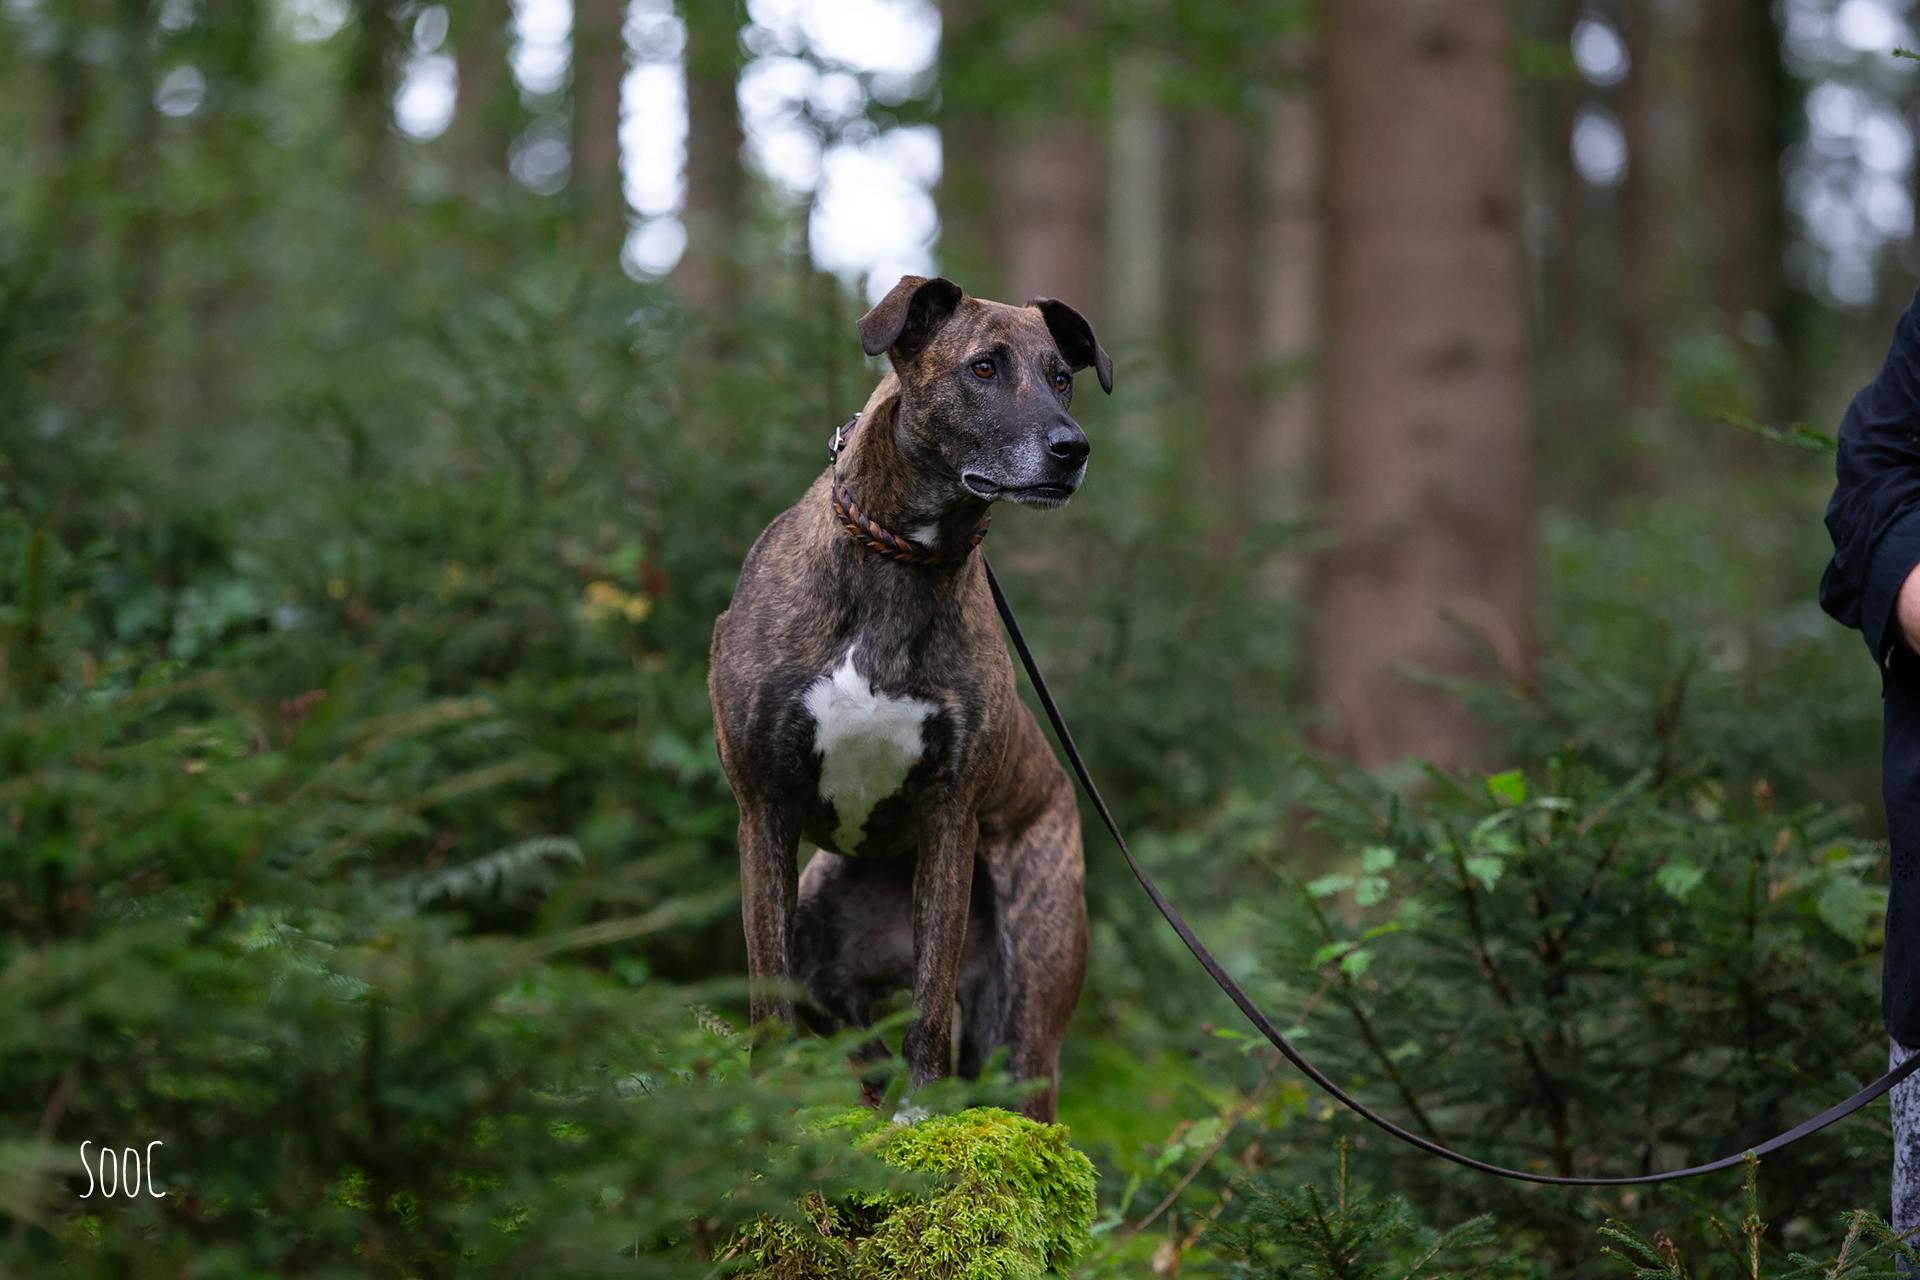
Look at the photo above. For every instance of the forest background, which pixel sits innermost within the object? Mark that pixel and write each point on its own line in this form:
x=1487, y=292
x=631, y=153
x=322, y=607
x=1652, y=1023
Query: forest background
x=390, y=390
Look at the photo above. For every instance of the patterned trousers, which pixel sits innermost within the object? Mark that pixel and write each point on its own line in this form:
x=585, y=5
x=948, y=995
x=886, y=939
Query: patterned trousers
x=1904, y=1102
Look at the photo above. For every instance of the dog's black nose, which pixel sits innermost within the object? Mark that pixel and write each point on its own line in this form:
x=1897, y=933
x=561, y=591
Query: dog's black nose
x=1068, y=443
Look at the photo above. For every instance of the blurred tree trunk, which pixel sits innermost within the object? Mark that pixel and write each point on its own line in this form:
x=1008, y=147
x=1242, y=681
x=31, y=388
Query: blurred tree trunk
x=970, y=234
x=1641, y=220
x=1052, y=213
x=1052, y=177
x=1138, y=197
x=708, y=277
x=1216, y=322
x=65, y=225
x=1565, y=339
x=70, y=109
x=1022, y=192
x=485, y=107
x=136, y=180
x=371, y=78
x=234, y=64
x=1286, y=282
x=1426, y=449
x=1739, y=87
x=599, y=66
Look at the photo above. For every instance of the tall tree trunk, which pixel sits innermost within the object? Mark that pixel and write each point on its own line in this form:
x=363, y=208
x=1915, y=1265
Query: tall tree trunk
x=1022, y=193
x=708, y=277
x=1138, y=197
x=599, y=66
x=485, y=108
x=235, y=68
x=137, y=170
x=1642, y=268
x=1052, y=174
x=71, y=103
x=66, y=227
x=1053, y=212
x=970, y=234
x=1427, y=459
x=1565, y=333
x=371, y=77
x=1286, y=282
x=1218, y=318
x=1739, y=84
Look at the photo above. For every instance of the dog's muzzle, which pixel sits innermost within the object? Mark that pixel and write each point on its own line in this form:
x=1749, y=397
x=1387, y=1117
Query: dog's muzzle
x=1052, y=493
x=1062, y=465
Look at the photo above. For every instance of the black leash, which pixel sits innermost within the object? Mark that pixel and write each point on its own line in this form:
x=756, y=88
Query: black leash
x=1259, y=1019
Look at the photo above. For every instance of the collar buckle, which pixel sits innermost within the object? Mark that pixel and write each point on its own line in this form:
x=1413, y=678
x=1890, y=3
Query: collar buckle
x=839, y=440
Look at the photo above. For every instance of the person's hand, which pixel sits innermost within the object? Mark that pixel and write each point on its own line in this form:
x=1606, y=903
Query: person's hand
x=1907, y=610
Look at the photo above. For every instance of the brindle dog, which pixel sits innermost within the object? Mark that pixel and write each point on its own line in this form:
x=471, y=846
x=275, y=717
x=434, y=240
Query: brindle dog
x=867, y=705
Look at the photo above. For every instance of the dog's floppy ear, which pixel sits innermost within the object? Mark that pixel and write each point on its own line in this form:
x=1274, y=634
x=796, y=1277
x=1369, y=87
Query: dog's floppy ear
x=1074, y=336
x=907, y=318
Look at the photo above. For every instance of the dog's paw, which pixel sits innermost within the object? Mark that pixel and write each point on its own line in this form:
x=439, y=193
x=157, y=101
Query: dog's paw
x=911, y=1114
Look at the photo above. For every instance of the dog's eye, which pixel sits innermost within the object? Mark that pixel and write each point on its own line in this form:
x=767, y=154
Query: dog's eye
x=983, y=368
x=1062, y=383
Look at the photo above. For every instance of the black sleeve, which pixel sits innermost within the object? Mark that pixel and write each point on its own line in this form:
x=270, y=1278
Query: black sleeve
x=1874, y=515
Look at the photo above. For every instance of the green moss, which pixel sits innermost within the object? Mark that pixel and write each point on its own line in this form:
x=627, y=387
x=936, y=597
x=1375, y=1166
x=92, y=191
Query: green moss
x=1011, y=1200
x=405, y=1206
x=351, y=1190
x=819, y=1243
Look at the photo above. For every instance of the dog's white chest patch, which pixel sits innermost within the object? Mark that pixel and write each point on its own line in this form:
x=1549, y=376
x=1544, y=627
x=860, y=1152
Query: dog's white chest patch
x=867, y=742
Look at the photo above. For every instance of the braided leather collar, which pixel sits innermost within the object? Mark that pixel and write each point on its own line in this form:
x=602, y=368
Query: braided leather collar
x=877, y=538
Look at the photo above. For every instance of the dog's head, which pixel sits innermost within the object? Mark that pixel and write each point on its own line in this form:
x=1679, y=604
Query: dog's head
x=986, y=390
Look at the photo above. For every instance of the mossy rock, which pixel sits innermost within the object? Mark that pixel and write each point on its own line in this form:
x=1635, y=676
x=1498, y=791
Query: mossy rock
x=1013, y=1201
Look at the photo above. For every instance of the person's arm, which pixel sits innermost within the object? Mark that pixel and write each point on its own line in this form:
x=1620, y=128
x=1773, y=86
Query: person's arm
x=1907, y=610
x=1874, y=516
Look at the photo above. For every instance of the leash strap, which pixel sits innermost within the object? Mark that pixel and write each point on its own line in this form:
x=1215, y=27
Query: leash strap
x=1259, y=1019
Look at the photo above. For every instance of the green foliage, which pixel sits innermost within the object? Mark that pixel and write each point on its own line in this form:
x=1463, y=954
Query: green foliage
x=1868, y=1250
x=1011, y=1200
x=202, y=950
x=1632, y=952
x=1299, y=1233
x=362, y=836
x=1642, y=962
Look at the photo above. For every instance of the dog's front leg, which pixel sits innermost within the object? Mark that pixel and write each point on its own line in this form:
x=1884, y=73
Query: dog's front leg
x=942, y=883
x=769, y=888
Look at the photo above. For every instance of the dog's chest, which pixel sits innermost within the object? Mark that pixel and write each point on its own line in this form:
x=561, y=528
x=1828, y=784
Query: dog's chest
x=868, y=742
